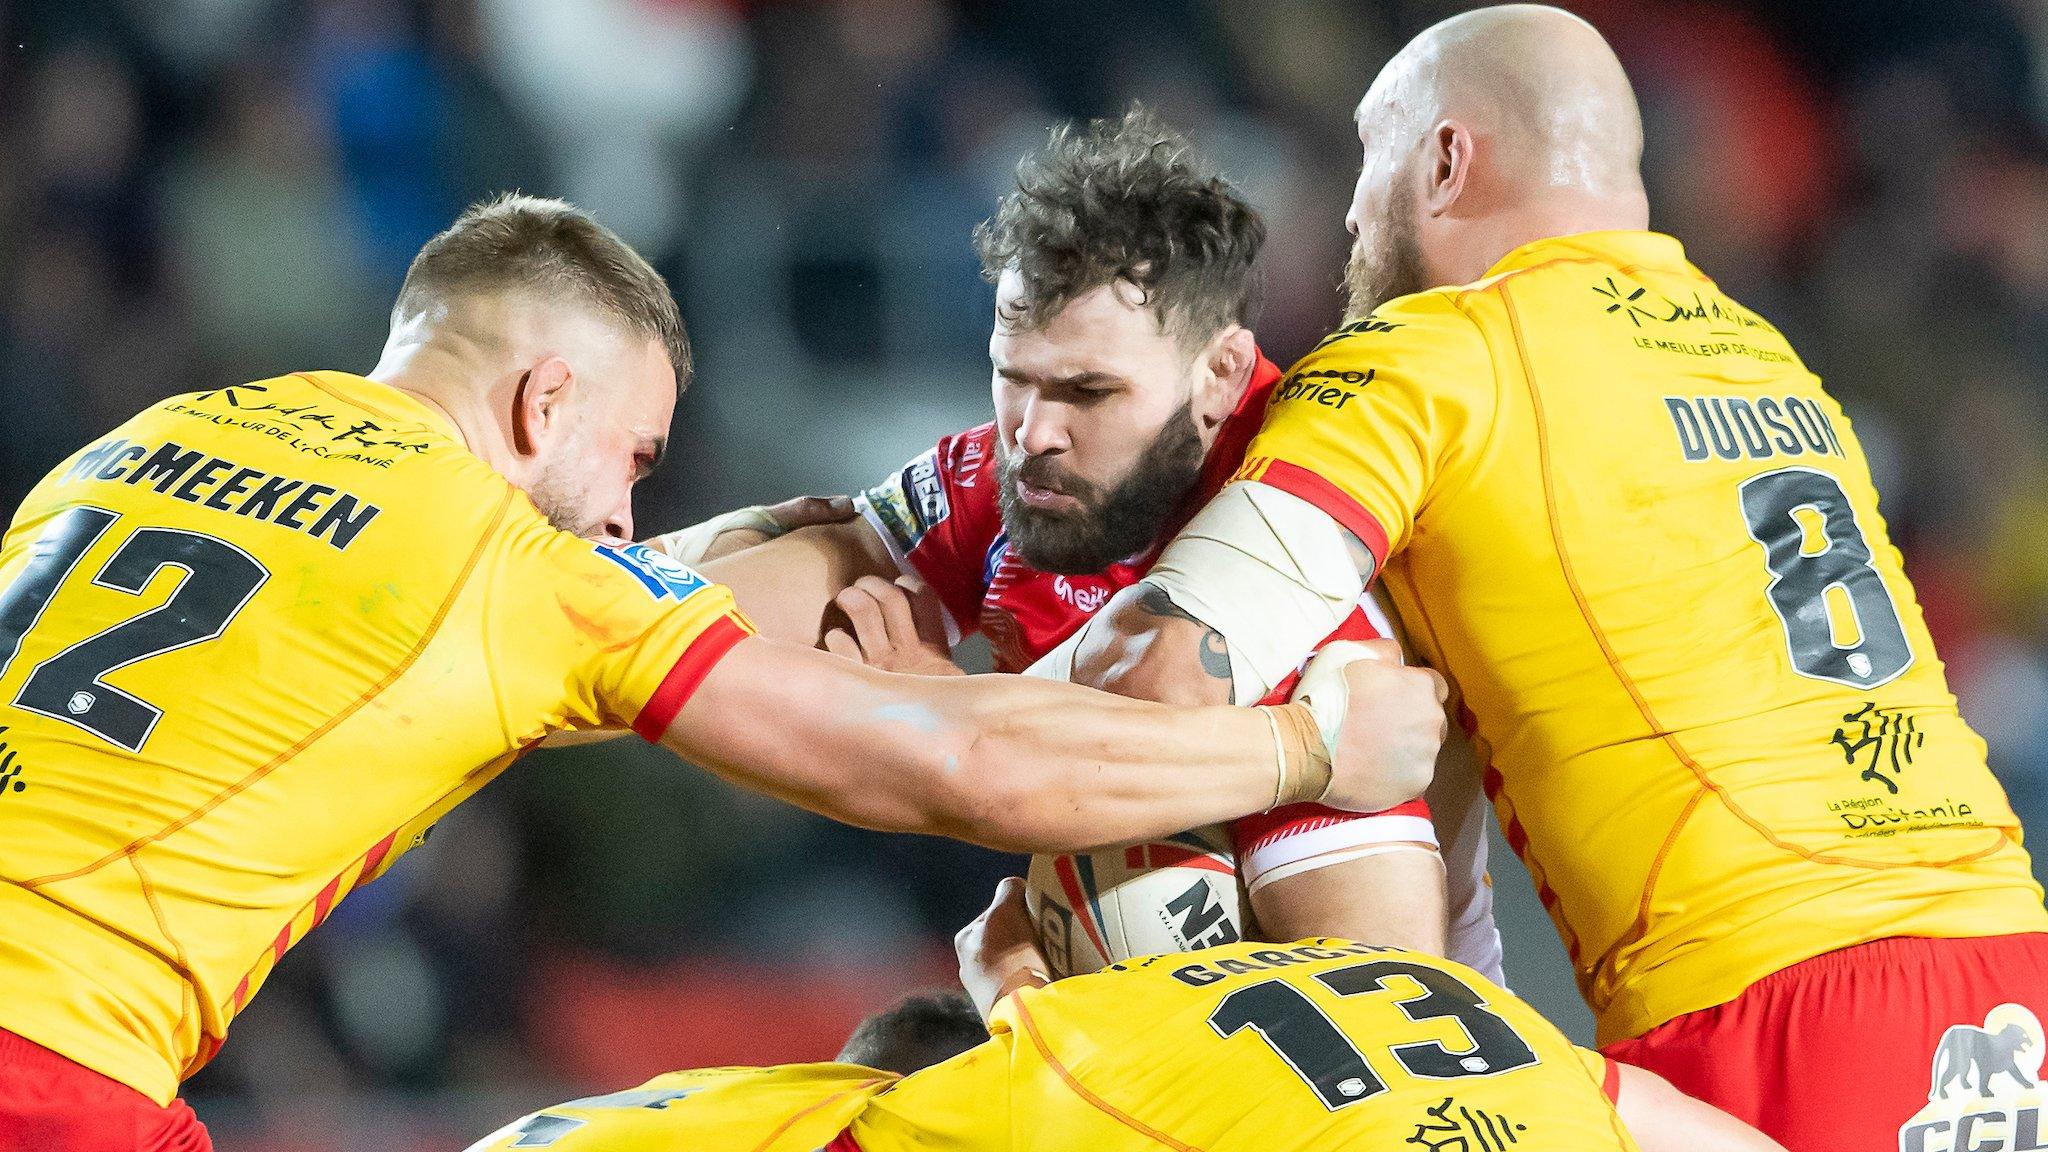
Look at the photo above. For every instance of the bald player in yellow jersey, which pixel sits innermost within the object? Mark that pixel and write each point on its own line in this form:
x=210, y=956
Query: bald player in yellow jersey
x=1617, y=510
x=1300, y=1047
x=255, y=641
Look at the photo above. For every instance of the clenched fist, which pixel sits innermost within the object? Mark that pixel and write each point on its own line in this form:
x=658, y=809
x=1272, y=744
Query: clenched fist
x=1381, y=722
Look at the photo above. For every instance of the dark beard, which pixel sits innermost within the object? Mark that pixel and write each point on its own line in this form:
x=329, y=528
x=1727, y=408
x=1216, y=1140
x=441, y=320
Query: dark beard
x=1372, y=279
x=1109, y=528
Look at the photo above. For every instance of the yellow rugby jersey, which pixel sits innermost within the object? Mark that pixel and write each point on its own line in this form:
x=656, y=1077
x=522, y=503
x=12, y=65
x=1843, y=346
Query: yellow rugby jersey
x=1618, y=512
x=252, y=645
x=789, y=1108
x=1258, y=1048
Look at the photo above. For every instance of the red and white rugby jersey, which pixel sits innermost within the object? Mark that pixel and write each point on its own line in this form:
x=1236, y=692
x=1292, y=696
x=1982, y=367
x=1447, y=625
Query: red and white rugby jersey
x=941, y=519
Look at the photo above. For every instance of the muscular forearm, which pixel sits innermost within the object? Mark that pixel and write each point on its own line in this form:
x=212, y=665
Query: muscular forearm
x=785, y=585
x=1008, y=762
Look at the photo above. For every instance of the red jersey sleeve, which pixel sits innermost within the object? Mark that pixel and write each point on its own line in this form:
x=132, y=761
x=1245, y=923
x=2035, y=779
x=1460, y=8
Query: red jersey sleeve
x=940, y=518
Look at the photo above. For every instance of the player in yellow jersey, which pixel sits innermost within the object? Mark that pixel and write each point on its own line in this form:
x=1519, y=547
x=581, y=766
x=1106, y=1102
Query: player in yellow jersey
x=785, y=1108
x=1617, y=510
x=254, y=642
x=1302, y=1047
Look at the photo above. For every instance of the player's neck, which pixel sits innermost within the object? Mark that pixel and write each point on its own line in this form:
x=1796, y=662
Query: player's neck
x=443, y=384
x=1556, y=215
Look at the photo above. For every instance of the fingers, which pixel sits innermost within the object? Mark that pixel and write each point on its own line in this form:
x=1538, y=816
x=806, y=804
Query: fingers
x=897, y=619
x=1437, y=682
x=925, y=610
x=1009, y=891
x=1384, y=651
x=864, y=611
x=840, y=643
x=804, y=511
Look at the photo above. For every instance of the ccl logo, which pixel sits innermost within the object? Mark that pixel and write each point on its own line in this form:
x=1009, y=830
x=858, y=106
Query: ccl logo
x=1985, y=1091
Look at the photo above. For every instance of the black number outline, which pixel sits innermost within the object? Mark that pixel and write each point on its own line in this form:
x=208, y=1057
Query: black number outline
x=1768, y=534
x=1290, y=997
x=39, y=688
x=35, y=578
x=1466, y=1002
x=1364, y=980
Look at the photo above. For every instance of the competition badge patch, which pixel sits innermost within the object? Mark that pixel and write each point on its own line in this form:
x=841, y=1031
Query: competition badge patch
x=910, y=503
x=1984, y=1093
x=664, y=578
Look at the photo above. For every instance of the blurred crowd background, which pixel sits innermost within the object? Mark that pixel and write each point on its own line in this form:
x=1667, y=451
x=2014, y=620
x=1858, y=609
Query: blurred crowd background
x=202, y=191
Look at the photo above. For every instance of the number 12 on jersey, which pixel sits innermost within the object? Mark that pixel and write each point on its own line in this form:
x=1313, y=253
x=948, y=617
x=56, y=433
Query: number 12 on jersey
x=218, y=580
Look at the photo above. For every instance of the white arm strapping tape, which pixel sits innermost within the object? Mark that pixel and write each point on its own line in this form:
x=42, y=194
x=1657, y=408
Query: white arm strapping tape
x=1058, y=664
x=1267, y=570
x=689, y=544
x=1328, y=859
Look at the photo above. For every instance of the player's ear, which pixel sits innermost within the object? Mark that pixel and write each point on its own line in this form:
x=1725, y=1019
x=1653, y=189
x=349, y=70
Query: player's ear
x=1227, y=371
x=538, y=403
x=1449, y=156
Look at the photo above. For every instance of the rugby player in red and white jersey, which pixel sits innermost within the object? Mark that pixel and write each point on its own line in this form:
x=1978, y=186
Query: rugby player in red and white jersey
x=1127, y=383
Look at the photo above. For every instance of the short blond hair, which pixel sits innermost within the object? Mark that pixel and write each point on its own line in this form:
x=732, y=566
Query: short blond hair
x=553, y=248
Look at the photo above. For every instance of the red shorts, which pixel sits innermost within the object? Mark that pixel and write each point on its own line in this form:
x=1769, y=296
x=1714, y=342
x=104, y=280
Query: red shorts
x=1910, y=1044
x=49, y=1103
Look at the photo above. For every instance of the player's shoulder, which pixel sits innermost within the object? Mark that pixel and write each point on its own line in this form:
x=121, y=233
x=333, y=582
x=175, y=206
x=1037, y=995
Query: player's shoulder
x=1408, y=331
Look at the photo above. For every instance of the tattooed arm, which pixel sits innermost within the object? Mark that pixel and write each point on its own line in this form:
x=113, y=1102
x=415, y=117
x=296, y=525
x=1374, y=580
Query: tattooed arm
x=1145, y=646
x=1142, y=644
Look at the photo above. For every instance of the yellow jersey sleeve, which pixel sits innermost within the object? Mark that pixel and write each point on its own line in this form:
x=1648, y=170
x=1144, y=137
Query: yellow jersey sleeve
x=787, y=1108
x=1381, y=418
x=1603, y=1072
x=619, y=635
x=254, y=643
x=967, y=1104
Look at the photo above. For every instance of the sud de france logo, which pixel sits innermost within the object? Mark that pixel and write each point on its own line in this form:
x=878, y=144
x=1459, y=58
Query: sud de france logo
x=1984, y=1093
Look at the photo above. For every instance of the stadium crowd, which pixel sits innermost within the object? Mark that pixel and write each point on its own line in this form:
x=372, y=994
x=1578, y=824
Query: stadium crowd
x=207, y=190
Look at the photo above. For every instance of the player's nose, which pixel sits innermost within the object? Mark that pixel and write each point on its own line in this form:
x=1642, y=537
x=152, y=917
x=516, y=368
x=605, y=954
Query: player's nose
x=619, y=525
x=1043, y=428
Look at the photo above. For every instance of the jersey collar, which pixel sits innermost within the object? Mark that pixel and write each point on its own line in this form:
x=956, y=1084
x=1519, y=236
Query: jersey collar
x=382, y=399
x=1623, y=248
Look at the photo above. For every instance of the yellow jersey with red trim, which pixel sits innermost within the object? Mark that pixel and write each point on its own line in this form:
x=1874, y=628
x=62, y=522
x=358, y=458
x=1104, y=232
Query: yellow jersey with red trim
x=787, y=1108
x=253, y=644
x=1253, y=1047
x=1639, y=537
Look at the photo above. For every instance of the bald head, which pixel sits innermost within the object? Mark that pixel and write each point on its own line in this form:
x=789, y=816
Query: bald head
x=1489, y=130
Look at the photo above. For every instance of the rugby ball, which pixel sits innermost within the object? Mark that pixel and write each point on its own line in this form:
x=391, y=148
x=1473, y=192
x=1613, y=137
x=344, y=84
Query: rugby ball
x=1097, y=908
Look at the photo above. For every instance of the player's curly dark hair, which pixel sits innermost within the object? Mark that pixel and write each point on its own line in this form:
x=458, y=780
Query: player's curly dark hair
x=1126, y=199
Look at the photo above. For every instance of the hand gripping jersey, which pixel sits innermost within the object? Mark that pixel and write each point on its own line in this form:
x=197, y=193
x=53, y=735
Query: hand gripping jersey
x=1618, y=512
x=252, y=645
x=940, y=518
x=789, y=1108
x=1302, y=1047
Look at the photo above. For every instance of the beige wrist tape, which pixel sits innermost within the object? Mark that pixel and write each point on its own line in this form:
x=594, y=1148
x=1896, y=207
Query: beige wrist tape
x=1304, y=771
x=689, y=544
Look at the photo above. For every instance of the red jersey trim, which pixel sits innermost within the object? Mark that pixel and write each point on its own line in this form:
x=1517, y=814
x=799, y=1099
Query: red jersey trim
x=1295, y=480
x=682, y=680
x=844, y=1142
x=1610, y=1081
